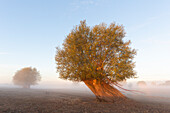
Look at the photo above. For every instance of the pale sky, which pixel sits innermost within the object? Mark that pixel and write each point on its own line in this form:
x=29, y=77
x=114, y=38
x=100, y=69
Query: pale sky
x=31, y=29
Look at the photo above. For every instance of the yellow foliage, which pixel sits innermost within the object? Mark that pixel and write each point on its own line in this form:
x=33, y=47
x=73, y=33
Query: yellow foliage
x=96, y=53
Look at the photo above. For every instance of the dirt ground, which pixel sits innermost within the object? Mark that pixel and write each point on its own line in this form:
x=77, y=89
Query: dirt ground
x=69, y=101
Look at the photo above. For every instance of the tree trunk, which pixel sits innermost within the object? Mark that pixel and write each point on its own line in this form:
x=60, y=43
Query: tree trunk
x=103, y=91
x=26, y=86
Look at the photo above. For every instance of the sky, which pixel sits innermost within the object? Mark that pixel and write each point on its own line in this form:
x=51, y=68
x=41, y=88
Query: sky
x=30, y=31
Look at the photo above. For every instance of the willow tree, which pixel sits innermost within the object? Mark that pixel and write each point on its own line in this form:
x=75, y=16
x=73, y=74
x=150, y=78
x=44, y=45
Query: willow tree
x=99, y=57
x=26, y=77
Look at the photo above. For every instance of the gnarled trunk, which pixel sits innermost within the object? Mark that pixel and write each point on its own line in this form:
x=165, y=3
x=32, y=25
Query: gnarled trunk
x=103, y=91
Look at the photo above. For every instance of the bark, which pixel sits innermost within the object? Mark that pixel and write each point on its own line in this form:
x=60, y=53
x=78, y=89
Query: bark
x=104, y=91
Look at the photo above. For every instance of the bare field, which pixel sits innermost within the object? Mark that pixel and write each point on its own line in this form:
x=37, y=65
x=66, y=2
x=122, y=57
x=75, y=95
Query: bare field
x=16, y=100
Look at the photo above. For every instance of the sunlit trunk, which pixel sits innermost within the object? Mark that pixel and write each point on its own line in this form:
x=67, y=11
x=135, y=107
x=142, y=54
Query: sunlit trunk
x=103, y=91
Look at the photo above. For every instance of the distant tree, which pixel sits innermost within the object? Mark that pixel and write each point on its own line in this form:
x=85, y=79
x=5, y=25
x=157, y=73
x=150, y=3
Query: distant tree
x=153, y=83
x=141, y=83
x=99, y=57
x=26, y=77
x=167, y=83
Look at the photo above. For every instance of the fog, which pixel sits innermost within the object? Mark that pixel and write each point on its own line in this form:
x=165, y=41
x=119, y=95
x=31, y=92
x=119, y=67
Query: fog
x=52, y=85
x=157, y=91
x=153, y=91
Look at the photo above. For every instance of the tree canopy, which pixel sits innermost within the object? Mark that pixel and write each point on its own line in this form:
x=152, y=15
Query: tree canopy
x=26, y=77
x=96, y=53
